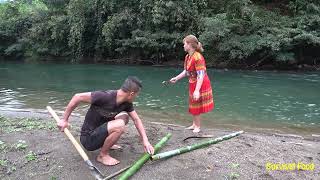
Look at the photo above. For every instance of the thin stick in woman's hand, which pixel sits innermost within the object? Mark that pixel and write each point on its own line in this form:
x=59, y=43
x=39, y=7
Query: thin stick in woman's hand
x=165, y=83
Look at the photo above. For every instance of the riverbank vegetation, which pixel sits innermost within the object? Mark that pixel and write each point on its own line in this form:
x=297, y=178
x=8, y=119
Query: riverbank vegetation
x=268, y=34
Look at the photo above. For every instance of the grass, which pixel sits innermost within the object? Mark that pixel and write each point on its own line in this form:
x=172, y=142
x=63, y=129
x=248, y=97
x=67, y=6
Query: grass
x=11, y=125
x=3, y=146
x=3, y=162
x=8, y=167
x=235, y=165
x=23, y=124
x=21, y=145
x=31, y=156
x=13, y=168
x=234, y=175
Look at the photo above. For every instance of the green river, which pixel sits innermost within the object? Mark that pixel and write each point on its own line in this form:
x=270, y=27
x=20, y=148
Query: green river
x=259, y=101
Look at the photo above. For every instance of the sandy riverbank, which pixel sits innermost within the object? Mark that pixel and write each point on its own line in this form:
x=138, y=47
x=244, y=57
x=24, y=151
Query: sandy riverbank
x=243, y=157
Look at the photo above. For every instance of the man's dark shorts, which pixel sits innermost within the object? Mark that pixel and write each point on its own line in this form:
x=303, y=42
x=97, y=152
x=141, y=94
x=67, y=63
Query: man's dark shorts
x=95, y=139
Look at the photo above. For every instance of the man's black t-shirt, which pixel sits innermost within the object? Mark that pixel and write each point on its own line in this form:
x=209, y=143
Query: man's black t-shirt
x=103, y=108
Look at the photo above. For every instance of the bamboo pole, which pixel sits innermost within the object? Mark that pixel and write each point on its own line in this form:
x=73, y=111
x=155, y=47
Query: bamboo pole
x=116, y=173
x=94, y=170
x=194, y=146
x=143, y=159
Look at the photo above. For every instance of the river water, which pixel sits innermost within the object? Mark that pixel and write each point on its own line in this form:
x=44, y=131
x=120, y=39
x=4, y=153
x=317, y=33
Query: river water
x=260, y=101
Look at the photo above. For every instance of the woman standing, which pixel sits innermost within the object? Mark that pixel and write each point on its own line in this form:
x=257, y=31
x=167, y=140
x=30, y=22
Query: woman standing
x=200, y=91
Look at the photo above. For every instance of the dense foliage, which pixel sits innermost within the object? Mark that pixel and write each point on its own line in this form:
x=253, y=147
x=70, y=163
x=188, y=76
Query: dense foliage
x=235, y=33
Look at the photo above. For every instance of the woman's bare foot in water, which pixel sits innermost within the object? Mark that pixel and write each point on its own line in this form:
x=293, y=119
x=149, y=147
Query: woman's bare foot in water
x=196, y=129
x=107, y=160
x=190, y=127
x=116, y=147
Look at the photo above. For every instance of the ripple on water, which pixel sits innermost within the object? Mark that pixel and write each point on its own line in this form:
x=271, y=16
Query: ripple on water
x=311, y=105
x=155, y=100
x=54, y=101
x=312, y=80
x=7, y=91
x=6, y=99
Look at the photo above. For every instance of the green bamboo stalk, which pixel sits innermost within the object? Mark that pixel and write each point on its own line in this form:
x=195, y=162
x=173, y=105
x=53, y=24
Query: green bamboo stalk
x=143, y=159
x=194, y=146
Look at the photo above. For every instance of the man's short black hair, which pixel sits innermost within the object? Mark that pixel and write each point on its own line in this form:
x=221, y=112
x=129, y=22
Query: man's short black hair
x=131, y=84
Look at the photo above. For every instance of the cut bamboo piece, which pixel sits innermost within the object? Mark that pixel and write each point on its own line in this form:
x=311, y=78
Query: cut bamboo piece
x=143, y=159
x=194, y=146
x=116, y=173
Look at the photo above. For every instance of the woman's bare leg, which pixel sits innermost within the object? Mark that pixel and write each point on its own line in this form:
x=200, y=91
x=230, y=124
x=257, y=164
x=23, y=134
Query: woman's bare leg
x=196, y=123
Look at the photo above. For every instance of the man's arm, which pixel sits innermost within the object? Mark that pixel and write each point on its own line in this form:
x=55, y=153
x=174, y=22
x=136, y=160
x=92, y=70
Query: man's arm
x=74, y=102
x=138, y=124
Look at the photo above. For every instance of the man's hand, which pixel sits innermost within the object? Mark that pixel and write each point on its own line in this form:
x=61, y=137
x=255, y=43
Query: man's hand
x=62, y=124
x=148, y=148
x=138, y=124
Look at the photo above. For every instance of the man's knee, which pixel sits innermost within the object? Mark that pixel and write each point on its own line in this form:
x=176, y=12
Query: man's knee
x=123, y=116
x=120, y=129
x=126, y=120
x=117, y=125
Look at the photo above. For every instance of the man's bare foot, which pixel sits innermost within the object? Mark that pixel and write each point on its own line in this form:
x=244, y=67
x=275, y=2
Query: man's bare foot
x=107, y=160
x=196, y=130
x=116, y=147
x=190, y=127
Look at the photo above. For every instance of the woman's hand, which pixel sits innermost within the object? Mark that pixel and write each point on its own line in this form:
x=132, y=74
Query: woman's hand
x=196, y=95
x=174, y=80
